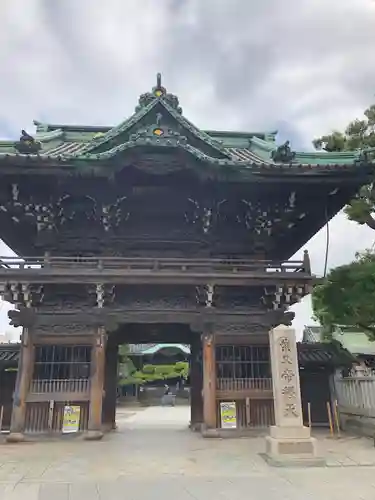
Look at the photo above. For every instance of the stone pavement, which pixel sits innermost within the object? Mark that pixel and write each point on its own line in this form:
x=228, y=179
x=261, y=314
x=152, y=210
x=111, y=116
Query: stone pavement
x=153, y=455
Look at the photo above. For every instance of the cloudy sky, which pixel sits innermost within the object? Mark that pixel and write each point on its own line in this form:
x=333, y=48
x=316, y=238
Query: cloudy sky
x=300, y=66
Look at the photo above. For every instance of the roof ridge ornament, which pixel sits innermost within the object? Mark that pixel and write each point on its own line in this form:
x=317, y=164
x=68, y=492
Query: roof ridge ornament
x=158, y=92
x=283, y=154
x=27, y=144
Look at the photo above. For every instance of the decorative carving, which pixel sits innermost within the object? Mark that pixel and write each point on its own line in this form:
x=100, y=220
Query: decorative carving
x=27, y=144
x=15, y=192
x=283, y=154
x=100, y=295
x=24, y=316
x=159, y=117
x=280, y=317
x=158, y=134
x=262, y=217
x=204, y=216
x=22, y=294
x=283, y=296
x=79, y=209
x=21, y=210
x=115, y=214
x=205, y=295
x=158, y=92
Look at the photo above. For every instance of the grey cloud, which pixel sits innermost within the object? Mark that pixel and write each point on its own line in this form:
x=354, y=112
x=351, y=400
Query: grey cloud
x=305, y=67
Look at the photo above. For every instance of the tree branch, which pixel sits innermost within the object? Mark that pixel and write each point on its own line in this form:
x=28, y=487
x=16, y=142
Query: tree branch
x=370, y=221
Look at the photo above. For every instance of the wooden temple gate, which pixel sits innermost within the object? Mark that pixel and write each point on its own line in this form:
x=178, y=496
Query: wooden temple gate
x=155, y=222
x=81, y=370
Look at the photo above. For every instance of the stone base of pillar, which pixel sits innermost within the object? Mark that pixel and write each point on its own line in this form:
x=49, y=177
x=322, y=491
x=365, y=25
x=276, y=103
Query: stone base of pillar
x=208, y=432
x=109, y=427
x=93, y=435
x=195, y=426
x=292, y=446
x=15, y=437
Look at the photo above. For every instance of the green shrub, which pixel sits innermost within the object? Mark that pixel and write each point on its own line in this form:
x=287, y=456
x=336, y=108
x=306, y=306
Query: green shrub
x=148, y=369
x=180, y=366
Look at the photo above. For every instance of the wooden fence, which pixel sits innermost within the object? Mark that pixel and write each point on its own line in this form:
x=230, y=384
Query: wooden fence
x=356, y=402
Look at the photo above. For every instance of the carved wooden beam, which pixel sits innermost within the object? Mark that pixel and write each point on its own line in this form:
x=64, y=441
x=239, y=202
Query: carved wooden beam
x=24, y=316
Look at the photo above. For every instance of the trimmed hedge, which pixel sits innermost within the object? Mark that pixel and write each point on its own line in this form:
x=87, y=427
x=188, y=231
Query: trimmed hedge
x=150, y=373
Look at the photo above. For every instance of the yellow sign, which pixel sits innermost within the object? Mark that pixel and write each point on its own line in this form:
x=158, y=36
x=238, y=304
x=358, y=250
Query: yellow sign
x=228, y=414
x=71, y=419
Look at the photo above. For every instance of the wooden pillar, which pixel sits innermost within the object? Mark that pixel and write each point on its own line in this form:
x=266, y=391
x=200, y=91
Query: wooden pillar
x=196, y=385
x=110, y=386
x=24, y=376
x=97, y=385
x=209, y=381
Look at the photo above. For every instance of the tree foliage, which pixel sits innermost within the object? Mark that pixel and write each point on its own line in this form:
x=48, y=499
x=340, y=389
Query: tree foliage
x=153, y=373
x=359, y=135
x=347, y=296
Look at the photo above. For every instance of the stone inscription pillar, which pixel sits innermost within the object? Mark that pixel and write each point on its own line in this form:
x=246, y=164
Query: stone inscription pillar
x=289, y=441
x=209, y=381
x=97, y=385
x=24, y=376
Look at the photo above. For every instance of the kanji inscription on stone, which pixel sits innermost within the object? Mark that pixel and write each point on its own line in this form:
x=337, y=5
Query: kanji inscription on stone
x=285, y=344
x=288, y=375
x=286, y=359
x=289, y=391
x=290, y=410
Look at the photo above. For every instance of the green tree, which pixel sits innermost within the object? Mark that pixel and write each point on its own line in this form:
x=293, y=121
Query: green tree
x=359, y=135
x=347, y=296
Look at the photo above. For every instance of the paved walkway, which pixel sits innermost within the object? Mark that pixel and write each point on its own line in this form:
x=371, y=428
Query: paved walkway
x=153, y=455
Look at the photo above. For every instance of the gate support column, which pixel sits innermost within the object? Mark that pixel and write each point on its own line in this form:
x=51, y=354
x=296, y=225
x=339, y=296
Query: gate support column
x=95, y=431
x=110, y=386
x=24, y=376
x=196, y=399
x=209, y=381
x=289, y=441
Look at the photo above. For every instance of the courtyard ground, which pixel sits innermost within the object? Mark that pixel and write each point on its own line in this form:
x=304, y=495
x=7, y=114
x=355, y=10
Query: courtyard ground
x=153, y=455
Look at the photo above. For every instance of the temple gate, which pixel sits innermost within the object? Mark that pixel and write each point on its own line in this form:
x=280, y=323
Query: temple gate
x=154, y=230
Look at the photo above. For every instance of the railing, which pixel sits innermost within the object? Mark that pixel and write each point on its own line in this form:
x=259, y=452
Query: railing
x=244, y=384
x=356, y=393
x=139, y=265
x=44, y=417
x=59, y=386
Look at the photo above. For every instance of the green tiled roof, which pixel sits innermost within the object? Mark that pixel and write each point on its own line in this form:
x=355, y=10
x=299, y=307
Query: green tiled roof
x=158, y=122
x=149, y=349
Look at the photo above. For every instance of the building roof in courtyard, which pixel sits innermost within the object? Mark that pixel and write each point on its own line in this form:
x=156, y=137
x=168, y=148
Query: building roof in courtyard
x=149, y=349
x=323, y=354
x=352, y=339
x=158, y=122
